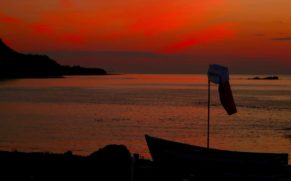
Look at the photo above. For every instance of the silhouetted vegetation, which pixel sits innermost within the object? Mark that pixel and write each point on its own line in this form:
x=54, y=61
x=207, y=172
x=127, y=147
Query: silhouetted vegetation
x=18, y=65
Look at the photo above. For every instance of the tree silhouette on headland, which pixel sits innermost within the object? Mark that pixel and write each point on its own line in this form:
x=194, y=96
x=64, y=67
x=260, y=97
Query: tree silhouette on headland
x=17, y=65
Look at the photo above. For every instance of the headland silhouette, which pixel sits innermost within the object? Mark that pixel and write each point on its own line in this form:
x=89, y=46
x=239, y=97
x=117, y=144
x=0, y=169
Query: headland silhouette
x=18, y=65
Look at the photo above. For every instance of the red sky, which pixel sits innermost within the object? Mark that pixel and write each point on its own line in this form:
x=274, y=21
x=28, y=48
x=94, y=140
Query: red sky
x=150, y=36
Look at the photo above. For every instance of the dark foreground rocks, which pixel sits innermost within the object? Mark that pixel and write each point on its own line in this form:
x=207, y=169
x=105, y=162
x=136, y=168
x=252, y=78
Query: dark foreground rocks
x=110, y=163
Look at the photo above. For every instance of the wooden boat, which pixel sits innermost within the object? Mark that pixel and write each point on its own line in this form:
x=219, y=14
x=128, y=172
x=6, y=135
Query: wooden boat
x=180, y=156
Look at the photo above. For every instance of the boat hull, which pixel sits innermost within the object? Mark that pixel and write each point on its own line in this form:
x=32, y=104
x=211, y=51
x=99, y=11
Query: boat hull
x=190, y=158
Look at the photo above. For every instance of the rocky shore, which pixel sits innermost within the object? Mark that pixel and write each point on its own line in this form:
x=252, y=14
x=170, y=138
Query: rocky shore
x=274, y=77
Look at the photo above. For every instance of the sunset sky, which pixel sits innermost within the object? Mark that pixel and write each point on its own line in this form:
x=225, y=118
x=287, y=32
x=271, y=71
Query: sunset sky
x=153, y=36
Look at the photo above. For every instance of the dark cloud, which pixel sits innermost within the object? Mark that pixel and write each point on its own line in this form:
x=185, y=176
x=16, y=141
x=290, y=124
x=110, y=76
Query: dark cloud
x=282, y=39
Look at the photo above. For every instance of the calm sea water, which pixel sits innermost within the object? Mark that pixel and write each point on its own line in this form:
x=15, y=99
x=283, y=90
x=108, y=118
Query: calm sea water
x=83, y=114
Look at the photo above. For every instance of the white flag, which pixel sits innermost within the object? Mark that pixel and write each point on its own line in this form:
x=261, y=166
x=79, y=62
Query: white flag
x=218, y=74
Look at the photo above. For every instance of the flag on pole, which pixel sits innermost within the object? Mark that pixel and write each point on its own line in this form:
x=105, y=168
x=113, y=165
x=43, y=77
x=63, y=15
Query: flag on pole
x=219, y=75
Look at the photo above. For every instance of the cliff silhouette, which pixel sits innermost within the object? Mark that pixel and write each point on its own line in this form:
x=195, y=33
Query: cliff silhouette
x=17, y=65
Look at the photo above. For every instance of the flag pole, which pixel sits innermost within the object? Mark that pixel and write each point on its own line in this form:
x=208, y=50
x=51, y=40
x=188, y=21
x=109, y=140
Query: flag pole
x=208, y=121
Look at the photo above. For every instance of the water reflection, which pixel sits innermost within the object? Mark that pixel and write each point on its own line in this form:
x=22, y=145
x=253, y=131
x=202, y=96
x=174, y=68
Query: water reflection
x=85, y=113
